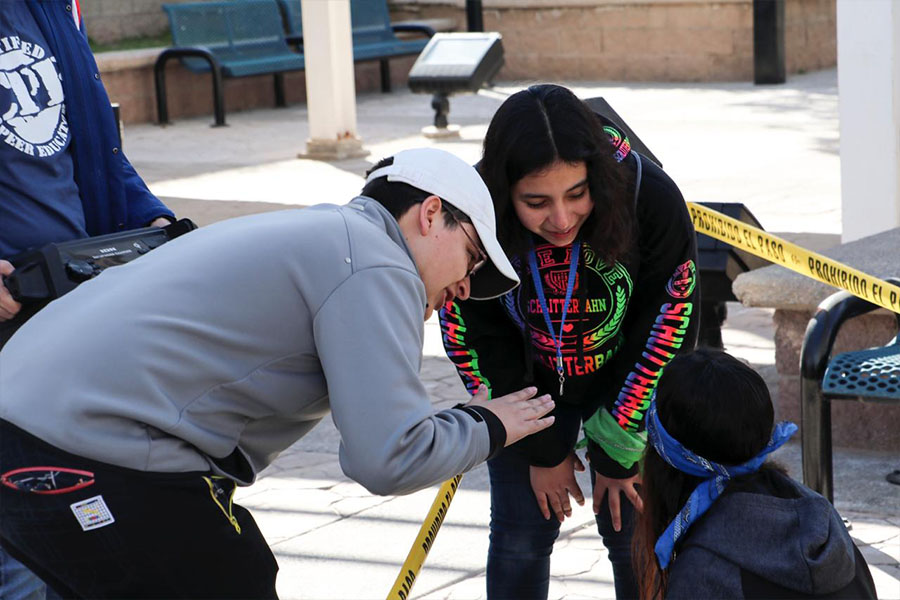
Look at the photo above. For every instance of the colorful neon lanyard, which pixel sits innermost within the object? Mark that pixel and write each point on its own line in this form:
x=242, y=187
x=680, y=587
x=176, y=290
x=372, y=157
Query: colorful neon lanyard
x=570, y=286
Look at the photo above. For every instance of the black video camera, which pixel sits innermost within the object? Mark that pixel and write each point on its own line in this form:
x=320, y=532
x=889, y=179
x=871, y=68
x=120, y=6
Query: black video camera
x=46, y=273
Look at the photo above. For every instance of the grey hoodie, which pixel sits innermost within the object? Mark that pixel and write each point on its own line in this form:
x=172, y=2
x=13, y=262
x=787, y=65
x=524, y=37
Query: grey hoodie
x=775, y=539
x=221, y=348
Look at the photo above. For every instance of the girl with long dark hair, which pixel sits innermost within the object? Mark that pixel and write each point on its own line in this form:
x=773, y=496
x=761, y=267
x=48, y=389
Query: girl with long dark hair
x=604, y=246
x=718, y=521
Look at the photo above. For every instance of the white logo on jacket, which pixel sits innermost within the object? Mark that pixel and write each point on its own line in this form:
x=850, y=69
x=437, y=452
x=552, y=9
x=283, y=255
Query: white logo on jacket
x=32, y=112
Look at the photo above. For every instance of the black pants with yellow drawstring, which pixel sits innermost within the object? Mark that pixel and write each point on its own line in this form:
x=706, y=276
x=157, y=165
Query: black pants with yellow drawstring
x=94, y=530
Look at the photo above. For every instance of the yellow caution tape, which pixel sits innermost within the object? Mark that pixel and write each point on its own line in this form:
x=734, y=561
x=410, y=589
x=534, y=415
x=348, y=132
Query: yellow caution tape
x=424, y=540
x=781, y=252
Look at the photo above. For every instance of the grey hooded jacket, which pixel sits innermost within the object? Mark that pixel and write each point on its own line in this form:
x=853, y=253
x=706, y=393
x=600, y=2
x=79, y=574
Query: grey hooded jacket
x=221, y=348
x=774, y=539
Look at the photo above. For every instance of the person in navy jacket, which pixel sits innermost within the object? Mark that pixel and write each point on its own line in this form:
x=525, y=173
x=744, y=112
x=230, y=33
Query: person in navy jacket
x=63, y=174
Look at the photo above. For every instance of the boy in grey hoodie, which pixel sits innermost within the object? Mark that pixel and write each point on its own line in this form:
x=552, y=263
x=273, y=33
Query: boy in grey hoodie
x=131, y=407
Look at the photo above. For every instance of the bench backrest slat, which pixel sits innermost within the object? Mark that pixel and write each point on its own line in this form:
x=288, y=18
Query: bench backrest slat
x=293, y=17
x=370, y=20
x=198, y=24
x=227, y=25
x=257, y=22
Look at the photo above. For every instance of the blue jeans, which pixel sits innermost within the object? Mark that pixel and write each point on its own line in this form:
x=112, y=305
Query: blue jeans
x=518, y=565
x=19, y=583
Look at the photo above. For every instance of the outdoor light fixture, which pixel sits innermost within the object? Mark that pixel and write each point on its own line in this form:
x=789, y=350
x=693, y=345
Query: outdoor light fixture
x=454, y=63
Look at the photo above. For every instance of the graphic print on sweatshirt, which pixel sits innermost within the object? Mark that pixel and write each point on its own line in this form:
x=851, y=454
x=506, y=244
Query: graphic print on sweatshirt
x=32, y=109
x=590, y=335
x=668, y=333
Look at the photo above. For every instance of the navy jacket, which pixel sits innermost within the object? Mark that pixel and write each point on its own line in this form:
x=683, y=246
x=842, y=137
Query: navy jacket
x=114, y=197
x=769, y=537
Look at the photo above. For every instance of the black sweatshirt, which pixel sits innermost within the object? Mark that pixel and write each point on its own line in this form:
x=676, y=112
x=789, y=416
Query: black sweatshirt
x=624, y=323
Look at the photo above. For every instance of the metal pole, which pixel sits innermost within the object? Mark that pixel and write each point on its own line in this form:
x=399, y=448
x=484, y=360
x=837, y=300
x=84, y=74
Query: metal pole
x=768, y=41
x=474, y=16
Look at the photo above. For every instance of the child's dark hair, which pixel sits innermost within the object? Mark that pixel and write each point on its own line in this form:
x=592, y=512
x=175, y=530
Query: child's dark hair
x=537, y=127
x=719, y=408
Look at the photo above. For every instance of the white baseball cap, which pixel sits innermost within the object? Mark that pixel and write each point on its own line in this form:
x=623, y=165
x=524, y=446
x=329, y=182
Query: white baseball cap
x=452, y=179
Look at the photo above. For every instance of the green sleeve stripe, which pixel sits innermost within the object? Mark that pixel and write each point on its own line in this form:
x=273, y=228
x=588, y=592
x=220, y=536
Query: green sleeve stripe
x=624, y=447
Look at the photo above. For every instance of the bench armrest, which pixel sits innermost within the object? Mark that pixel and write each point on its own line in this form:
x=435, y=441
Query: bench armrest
x=823, y=328
x=187, y=51
x=427, y=30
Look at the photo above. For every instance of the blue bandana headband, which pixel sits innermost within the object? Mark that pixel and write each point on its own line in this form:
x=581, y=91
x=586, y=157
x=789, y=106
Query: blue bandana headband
x=715, y=475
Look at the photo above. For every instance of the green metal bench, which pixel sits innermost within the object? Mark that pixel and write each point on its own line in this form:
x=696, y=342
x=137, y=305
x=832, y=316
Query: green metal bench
x=373, y=34
x=871, y=375
x=238, y=38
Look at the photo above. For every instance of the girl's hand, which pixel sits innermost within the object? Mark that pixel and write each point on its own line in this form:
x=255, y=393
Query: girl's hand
x=615, y=487
x=552, y=487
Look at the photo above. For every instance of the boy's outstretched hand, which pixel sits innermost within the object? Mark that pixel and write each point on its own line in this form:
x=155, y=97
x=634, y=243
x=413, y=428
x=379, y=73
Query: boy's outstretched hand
x=520, y=413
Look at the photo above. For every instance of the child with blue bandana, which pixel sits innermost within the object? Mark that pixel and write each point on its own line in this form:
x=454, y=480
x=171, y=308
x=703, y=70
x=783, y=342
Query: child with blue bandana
x=718, y=521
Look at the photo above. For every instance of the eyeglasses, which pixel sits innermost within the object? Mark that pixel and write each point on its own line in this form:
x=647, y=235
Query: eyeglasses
x=474, y=263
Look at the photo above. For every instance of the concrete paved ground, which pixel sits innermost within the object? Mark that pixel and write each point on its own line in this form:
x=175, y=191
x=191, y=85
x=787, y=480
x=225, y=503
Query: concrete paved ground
x=774, y=148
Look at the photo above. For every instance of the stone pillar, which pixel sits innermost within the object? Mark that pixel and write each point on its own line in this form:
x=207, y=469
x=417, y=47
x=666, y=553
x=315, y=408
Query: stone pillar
x=330, y=86
x=868, y=36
